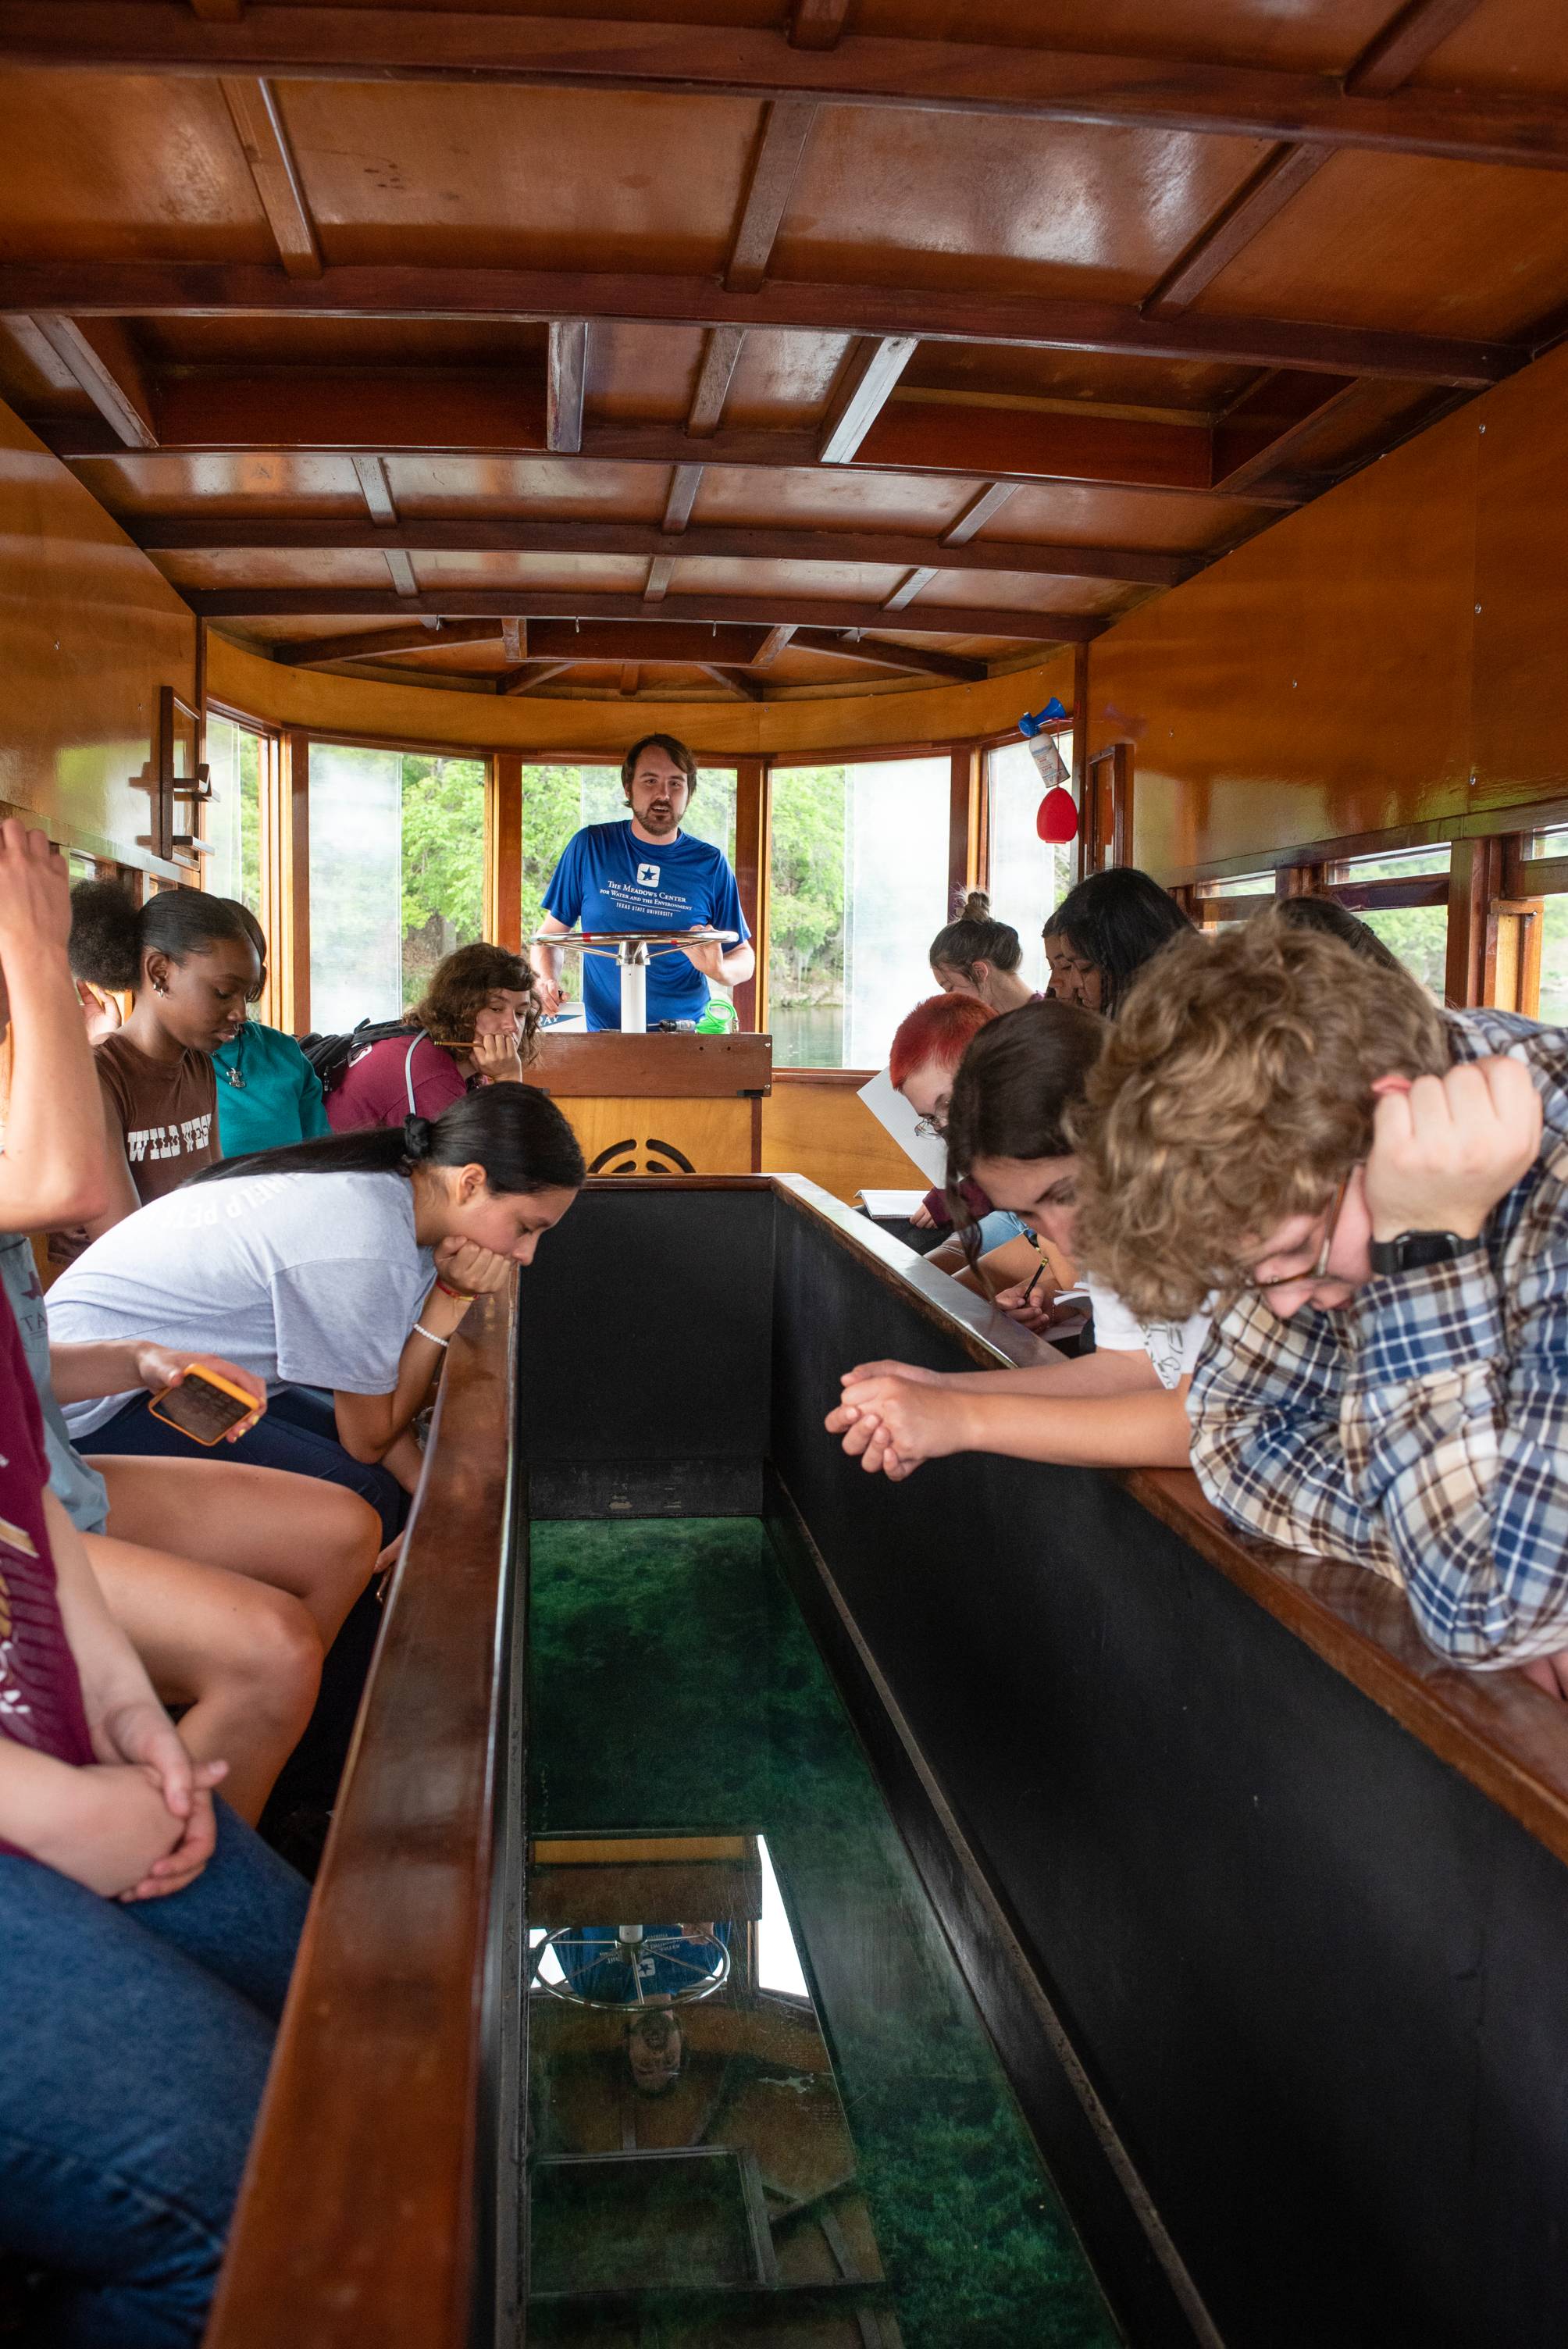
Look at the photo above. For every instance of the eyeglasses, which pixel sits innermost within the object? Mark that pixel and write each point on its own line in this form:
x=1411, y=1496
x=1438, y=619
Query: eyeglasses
x=933, y=1129
x=1320, y=1269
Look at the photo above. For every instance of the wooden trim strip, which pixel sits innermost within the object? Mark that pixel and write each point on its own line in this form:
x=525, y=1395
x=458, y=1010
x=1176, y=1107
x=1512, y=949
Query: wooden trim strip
x=388, y=1994
x=260, y=129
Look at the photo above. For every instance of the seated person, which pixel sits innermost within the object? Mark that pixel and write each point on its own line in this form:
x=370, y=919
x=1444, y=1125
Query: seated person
x=337, y=1271
x=146, y=1937
x=474, y=1025
x=1377, y=1187
x=979, y=956
x=238, y=1638
x=188, y=964
x=268, y=1094
x=646, y=874
x=1331, y=920
x=1018, y=1090
x=922, y=1062
x=1102, y=934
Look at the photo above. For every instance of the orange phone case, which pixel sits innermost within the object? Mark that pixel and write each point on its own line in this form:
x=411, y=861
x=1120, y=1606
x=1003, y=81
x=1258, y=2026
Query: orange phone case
x=212, y=1379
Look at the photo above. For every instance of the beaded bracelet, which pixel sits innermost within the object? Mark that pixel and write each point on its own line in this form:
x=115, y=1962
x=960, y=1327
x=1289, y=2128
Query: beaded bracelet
x=420, y=1332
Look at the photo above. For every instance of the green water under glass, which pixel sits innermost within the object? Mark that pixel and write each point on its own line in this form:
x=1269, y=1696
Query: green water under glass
x=820, y=2146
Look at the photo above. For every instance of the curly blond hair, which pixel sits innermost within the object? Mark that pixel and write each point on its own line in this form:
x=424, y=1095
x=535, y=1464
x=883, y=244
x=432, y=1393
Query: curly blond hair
x=1234, y=1091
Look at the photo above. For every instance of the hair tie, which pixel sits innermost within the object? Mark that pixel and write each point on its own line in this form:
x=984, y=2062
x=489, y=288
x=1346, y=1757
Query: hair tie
x=416, y=1133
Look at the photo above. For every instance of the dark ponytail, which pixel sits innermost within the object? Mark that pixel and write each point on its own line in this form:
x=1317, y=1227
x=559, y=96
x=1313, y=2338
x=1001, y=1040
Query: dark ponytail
x=111, y=936
x=514, y=1132
x=1015, y=1091
x=972, y=935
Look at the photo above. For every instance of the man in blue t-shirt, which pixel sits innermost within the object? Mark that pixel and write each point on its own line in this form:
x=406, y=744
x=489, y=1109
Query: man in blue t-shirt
x=646, y=874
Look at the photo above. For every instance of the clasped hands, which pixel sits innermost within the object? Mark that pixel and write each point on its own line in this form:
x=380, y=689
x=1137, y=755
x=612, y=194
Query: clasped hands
x=893, y=1415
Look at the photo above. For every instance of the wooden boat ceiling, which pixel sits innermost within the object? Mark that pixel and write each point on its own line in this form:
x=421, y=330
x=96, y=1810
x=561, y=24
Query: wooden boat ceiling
x=709, y=347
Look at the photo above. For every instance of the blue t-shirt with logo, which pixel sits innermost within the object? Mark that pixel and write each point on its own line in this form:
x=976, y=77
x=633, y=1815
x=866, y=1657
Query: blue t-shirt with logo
x=609, y=880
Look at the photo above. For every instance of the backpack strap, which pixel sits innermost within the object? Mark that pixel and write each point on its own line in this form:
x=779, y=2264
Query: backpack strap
x=409, y=1072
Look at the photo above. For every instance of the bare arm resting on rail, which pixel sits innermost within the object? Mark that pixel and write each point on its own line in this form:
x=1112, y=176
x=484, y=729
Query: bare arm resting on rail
x=1106, y=1409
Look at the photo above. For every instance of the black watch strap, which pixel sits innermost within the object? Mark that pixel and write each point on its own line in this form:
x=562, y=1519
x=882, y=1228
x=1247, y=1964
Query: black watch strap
x=1411, y=1249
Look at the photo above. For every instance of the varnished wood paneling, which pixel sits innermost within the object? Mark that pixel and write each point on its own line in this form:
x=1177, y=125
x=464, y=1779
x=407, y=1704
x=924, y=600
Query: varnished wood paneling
x=713, y=1136
x=88, y=633
x=827, y=1132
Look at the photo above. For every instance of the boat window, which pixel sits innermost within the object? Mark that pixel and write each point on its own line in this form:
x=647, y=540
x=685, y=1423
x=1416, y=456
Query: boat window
x=232, y=818
x=1029, y=877
x=1403, y=896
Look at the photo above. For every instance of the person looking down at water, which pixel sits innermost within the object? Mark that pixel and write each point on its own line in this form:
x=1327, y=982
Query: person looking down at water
x=337, y=1272
x=1102, y=934
x=1009, y=1128
x=923, y=1063
x=189, y=966
x=976, y=955
x=1380, y=1190
x=475, y=1024
x=646, y=874
x=268, y=1094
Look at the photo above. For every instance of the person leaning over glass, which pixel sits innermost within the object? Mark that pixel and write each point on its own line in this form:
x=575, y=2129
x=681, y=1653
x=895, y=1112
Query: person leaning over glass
x=337, y=1271
x=1102, y=934
x=1010, y=1126
x=1377, y=1189
x=146, y=1936
x=646, y=874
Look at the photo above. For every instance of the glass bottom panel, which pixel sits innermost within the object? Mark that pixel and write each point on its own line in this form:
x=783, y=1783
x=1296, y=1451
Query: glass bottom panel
x=760, y=2095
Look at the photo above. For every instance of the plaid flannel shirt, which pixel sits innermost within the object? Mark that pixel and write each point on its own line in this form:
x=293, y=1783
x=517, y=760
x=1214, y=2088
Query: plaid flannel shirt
x=1422, y=1430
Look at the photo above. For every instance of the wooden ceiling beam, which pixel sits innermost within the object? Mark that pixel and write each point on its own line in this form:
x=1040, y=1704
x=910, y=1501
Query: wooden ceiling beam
x=565, y=383
x=978, y=512
x=661, y=571
x=100, y=357
x=260, y=129
x=530, y=673
x=913, y=660
x=964, y=314
x=182, y=533
x=868, y=382
x=514, y=640
x=764, y=611
x=818, y=23
x=1033, y=83
x=371, y=474
x=911, y=584
x=81, y=439
x=719, y=362
x=772, y=645
x=631, y=677
x=786, y=127
x=1405, y=42
x=749, y=688
x=1282, y=173
x=402, y=571
x=369, y=644
x=684, y=483
x=1266, y=427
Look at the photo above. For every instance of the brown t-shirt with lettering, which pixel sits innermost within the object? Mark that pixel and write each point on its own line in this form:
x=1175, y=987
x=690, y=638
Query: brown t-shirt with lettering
x=164, y=1114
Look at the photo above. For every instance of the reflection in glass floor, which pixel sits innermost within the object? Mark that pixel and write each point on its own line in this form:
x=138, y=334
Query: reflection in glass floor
x=760, y=2099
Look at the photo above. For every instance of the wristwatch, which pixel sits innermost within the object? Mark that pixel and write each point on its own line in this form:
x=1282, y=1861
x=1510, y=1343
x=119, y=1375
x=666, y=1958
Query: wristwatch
x=1411, y=1249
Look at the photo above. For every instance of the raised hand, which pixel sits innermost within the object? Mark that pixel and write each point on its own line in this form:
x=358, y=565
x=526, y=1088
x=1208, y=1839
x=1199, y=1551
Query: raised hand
x=35, y=892
x=1446, y=1149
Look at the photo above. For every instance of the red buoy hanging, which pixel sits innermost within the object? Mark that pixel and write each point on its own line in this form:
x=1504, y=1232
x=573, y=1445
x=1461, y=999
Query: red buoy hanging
x=1059, y=817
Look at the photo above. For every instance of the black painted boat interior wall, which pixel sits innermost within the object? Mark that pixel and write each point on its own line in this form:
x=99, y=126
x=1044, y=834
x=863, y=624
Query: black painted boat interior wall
x=1316, y=1977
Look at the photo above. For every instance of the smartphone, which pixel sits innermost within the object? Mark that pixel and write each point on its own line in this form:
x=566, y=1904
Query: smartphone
x=204, y=1406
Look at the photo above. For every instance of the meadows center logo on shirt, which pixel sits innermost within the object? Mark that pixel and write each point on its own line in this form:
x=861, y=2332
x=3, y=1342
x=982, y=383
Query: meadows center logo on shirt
x=647, y=877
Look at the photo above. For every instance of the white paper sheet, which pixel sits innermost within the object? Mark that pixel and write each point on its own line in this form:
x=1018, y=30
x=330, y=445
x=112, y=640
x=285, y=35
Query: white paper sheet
x=891, y=1110
x=890, y=1205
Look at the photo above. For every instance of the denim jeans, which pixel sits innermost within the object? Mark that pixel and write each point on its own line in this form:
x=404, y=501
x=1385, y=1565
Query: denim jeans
x=134, y=2044
x=299, y=1431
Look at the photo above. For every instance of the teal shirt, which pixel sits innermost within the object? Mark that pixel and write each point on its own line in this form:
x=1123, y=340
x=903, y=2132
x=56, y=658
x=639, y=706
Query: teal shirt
x=268, y=1094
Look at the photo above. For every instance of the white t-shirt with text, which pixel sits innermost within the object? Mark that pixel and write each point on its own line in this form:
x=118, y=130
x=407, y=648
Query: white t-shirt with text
x=1173, y=1347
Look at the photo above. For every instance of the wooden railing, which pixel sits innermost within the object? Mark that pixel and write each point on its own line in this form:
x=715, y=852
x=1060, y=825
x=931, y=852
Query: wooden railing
x=357, y=2222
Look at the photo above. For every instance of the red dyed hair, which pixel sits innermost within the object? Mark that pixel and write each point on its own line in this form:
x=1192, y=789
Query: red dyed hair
x=942, y=1028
